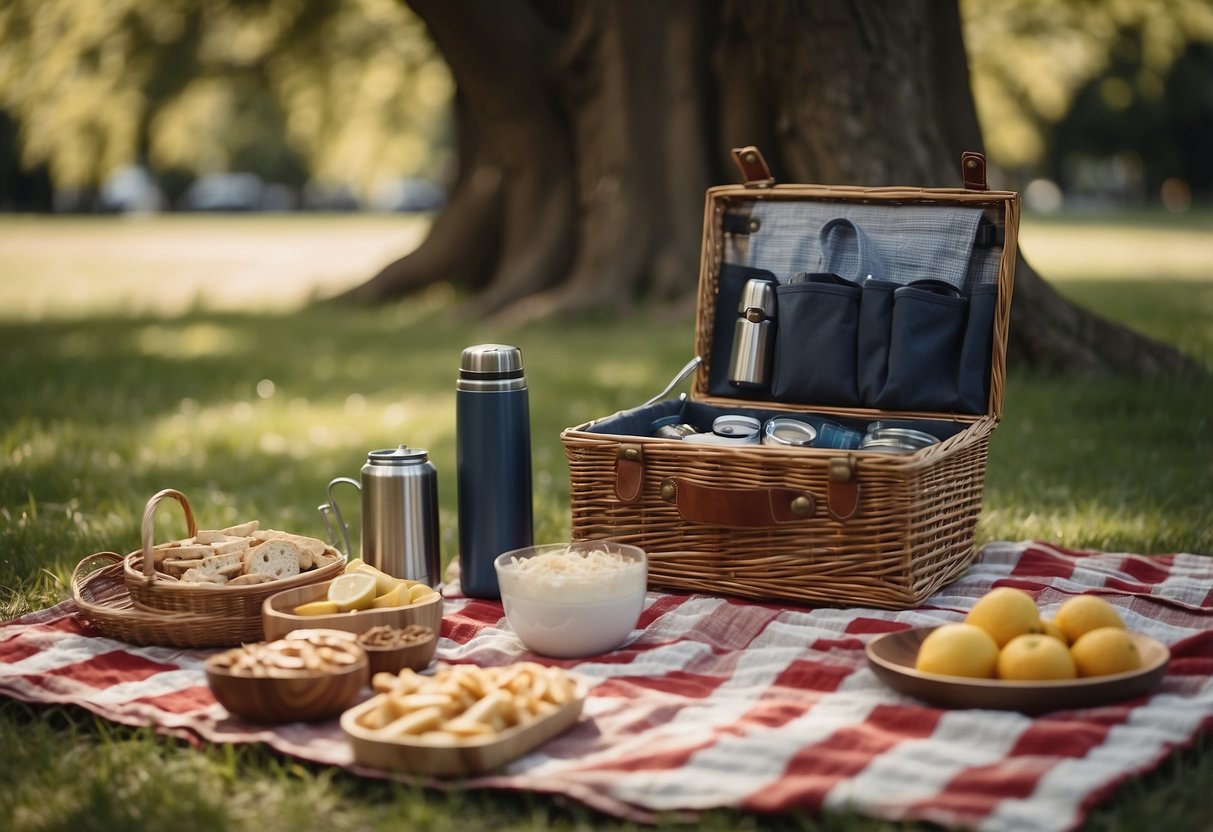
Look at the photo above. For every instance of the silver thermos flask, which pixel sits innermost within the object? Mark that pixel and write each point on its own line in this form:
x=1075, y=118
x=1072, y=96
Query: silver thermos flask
x=753, y=335
x=399, y=514
x=493, y=461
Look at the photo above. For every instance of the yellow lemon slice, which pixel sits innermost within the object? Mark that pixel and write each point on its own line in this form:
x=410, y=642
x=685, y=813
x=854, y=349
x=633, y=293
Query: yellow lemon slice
x=397, y=597
x=316, y=608
x=384, y=583
x=419, y=592
x=353, y=591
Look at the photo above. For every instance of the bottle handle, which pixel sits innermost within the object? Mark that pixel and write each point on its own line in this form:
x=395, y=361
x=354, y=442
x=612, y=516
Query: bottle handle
x=331, y=506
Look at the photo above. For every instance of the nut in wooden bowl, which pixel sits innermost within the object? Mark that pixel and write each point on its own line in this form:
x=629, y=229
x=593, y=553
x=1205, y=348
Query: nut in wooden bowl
x=392, y=649
x=312, y=675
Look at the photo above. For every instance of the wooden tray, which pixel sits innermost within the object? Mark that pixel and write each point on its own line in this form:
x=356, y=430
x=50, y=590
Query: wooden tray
x=891, y=656
x=278, y=620
x=471, y=757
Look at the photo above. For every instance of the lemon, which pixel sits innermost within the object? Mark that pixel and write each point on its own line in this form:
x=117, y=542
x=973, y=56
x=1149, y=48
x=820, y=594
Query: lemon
x=352, y=591
x=419, y=592
x=1084, y=613
x=1050, y=628
x=384, y=583
x=1105, y=650
x=1005, y=612
x=958, y=650
x=397, y=597
x=316, y=608
x=1035, y=657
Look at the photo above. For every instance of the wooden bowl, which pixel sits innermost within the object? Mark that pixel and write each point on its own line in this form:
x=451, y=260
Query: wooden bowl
x=892, y=655
x=287, y=695
x=277, y=619
x=416, y=656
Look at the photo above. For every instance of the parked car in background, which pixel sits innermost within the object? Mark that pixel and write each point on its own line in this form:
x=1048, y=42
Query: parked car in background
x=224, y=192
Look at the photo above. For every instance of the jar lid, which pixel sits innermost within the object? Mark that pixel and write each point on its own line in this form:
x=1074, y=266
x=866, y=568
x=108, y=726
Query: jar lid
x=736, y=426
x=785, y=431
x=403, y=455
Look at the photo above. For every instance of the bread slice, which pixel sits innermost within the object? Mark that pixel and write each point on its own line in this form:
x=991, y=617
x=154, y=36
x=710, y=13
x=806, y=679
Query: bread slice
x=228, y=564
x=236, y=545
x=203, y=576
x=276, y=558
x=179, y=566
x=249, y=579
x=310, y=548
x=242, y=530
x=180, y=551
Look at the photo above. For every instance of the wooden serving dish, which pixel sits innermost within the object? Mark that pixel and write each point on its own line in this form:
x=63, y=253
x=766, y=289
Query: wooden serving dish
x=394, y=659
x=891, y=657
x=298, y=697
x=472, y=756
x=278, y=620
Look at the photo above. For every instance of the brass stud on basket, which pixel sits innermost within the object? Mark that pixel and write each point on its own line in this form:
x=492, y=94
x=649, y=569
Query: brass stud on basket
x=802, y=506
x=669, y=490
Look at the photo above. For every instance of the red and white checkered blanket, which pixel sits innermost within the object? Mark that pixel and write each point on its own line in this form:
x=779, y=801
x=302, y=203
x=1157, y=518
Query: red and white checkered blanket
x=760, y=707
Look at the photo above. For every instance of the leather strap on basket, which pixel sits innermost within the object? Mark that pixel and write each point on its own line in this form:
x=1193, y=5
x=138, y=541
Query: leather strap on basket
x=629, y=473
x=741, y=507
x=755, y=172
x=842, y=490
x=973, y=170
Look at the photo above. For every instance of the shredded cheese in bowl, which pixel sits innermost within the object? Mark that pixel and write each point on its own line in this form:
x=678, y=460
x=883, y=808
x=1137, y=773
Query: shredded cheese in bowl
x=585, y=572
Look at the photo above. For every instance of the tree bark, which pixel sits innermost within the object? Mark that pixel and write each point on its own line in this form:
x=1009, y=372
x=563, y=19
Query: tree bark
x=590, y=130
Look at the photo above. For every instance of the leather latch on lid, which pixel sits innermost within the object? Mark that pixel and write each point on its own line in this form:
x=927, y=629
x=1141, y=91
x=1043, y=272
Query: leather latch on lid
x=842, y=489
x=629, y=473
x=755, y=172
x=973, y=170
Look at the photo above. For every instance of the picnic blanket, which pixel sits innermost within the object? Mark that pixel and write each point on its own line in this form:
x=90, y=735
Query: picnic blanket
x=761, y=707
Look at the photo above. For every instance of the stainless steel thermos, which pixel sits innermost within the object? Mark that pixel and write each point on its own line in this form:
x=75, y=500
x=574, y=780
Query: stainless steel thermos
x=399, y=514
x=753, y=335
x=493, y=462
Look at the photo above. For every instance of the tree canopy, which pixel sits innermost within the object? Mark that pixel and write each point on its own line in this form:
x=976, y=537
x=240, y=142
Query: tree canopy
x=338, y=91
x=352, y=92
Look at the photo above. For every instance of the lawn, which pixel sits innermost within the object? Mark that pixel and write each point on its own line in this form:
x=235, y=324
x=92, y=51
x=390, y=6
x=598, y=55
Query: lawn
x=140, y=353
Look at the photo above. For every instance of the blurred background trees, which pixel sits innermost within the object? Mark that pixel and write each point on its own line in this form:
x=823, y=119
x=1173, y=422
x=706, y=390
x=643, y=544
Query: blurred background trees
x=346, y=103
x=332, y=103
x=576, y=137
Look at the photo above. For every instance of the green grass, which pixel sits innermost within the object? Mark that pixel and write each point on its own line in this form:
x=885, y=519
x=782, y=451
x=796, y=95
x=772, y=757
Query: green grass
x=179, y=351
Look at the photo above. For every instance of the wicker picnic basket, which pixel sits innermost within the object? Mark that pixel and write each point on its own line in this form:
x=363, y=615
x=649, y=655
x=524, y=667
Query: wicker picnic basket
x=805, y=524
x=127, y=598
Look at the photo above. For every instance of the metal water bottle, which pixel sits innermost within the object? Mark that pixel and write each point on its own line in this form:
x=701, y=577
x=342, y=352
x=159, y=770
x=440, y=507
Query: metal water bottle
x=493, y=459
x=753, y=335
x=399, y=514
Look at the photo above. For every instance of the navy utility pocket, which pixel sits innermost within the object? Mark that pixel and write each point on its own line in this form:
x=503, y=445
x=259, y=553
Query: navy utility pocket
x=815, y=341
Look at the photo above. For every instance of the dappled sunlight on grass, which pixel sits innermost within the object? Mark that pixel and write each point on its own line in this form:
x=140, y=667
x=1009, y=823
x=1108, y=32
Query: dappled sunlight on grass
x=1067, y=248
x=298, y=428
x=1087, y=524
x=190, y=340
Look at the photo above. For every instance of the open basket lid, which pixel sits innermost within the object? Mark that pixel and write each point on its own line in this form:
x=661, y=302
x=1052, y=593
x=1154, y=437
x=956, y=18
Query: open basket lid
x=965, y=238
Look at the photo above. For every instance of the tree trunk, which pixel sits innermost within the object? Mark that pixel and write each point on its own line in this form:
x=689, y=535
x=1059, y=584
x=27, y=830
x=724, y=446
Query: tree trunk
x=590, y=129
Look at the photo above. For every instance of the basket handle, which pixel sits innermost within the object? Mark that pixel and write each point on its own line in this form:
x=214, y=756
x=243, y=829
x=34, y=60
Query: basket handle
x=88, y=569
x=148, y=529
x=739, y=507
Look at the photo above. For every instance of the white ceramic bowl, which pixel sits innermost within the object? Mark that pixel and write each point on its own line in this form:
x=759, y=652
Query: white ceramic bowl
x=567, y=616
